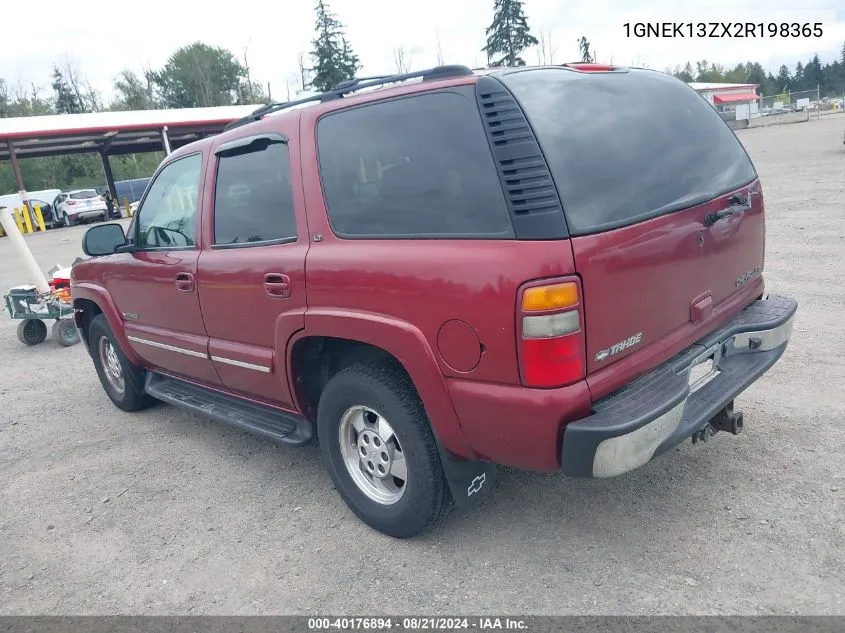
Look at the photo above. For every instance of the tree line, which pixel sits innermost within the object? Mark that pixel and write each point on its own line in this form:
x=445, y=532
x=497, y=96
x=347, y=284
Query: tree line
x=828, y=78
x=200, y=75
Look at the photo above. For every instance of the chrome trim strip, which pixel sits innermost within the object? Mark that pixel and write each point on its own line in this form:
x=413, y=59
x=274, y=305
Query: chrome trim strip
x=240, y=363
x=169, y=348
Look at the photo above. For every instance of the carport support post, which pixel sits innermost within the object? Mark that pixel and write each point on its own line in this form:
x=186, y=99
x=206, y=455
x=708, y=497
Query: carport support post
x=16, y=169
x=109, y=175
x=165, y=140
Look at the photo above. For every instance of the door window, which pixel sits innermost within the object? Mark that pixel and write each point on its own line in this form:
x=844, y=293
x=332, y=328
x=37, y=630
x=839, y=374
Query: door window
x=253, y=197
x=167, y=217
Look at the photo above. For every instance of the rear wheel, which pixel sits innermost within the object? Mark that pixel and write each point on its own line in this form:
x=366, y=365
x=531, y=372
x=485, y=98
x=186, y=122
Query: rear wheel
x=380, y=451
x=66, y=220
x=122, y=381
x=65, y=332
x=32, y=331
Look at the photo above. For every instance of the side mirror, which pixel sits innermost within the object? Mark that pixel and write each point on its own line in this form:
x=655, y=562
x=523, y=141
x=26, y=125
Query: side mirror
x=103, y=239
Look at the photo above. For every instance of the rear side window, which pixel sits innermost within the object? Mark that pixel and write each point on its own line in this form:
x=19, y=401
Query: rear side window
x=253, y=197
x=413, y=167
x=625, y=147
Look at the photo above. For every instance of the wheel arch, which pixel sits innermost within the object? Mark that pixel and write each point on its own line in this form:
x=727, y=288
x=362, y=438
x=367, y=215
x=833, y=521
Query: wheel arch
x=367, y=336
x=90, y=300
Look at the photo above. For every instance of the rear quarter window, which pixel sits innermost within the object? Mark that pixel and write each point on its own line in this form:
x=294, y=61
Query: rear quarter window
x=414, y=167
x=624, y=147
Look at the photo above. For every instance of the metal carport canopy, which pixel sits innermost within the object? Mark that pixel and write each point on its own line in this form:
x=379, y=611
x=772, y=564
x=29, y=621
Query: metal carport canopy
x=112, y=133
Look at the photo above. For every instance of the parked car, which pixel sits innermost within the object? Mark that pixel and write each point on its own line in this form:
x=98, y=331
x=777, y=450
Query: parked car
x=43, y=199
x=47, y=212
x=127, y=191
x=80, y=205
x=406, y=275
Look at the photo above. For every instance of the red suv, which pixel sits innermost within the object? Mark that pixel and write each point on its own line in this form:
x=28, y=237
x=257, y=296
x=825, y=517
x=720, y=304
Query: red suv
x=555, y=268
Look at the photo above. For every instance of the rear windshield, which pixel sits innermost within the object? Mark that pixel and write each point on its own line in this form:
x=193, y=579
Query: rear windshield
x=625, y=147
x=83, y=195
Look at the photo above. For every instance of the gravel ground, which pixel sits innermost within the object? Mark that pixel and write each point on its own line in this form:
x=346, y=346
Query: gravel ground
x=164, y=513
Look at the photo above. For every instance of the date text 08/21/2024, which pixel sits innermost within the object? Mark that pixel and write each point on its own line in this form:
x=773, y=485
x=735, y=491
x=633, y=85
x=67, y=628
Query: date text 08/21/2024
x=722, y=29
x=415, y=623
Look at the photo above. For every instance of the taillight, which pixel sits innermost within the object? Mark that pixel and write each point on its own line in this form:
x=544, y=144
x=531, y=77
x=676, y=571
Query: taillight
x=551, y=335
x=70, y=202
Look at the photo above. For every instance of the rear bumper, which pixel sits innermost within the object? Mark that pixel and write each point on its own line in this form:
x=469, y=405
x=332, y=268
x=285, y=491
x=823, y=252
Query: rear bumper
x=84, y=215
x=659, y=409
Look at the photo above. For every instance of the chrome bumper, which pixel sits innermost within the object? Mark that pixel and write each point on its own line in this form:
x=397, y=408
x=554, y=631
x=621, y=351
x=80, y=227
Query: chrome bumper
x=675, y=400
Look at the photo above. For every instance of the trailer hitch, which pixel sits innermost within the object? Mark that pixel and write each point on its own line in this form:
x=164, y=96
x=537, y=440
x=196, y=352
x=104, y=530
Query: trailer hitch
x=726, y=420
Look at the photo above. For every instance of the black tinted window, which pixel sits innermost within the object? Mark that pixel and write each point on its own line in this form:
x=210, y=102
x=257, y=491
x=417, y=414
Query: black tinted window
x=623, y=147
x=418, y=166
x=253, y=198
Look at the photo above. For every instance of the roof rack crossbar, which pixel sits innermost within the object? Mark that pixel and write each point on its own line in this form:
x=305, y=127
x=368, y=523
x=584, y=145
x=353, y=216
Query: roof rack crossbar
x=353, y=85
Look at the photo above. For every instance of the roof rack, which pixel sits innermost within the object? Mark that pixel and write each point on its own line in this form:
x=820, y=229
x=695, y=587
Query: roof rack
x=353, y=85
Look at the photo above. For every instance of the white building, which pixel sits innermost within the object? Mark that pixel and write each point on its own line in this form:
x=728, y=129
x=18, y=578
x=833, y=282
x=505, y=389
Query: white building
x=733, y=101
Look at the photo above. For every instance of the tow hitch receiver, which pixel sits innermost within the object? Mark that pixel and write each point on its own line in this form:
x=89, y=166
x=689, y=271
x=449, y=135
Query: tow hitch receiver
x=726, y=420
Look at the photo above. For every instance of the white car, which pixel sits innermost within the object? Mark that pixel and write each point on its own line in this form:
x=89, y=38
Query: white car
x=80, y=205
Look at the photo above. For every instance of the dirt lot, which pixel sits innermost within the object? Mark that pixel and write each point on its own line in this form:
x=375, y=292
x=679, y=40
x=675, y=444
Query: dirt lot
x=161, y=512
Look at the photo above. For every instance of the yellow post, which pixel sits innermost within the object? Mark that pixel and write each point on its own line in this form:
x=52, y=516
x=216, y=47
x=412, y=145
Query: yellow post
x=18, y=219
x=39, y=217
x=27, y=220
x=127, y=207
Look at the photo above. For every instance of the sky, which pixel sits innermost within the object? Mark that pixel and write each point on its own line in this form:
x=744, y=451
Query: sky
x=103, y=37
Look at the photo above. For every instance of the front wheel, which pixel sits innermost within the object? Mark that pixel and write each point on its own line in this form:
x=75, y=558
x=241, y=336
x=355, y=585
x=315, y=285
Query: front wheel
x=122, y=381
x=379, y=449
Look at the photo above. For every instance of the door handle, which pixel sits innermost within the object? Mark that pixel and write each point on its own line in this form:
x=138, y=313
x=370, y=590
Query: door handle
x=737, y=204
x=701, y=307
x=277, y=285
x=185, y=282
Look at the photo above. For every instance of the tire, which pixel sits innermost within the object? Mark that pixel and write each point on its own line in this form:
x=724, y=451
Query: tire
x=67, y=221
x=132, y=397
x=65, y=332
x=32, y=331
x=363, y=396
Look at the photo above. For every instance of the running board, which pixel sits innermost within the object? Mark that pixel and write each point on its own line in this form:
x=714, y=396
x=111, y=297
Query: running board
x=257, y=419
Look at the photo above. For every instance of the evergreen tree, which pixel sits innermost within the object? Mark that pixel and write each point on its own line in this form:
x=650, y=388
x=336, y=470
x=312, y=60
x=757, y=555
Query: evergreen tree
x=798, y=80
x=334, y=59
x=508, y=35
x=813, y=76
x=783, y=80
x=66, y=99
x=584, y=48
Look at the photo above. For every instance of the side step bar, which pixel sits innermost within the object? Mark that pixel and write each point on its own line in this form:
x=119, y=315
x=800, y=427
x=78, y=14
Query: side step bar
x=271, y=423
